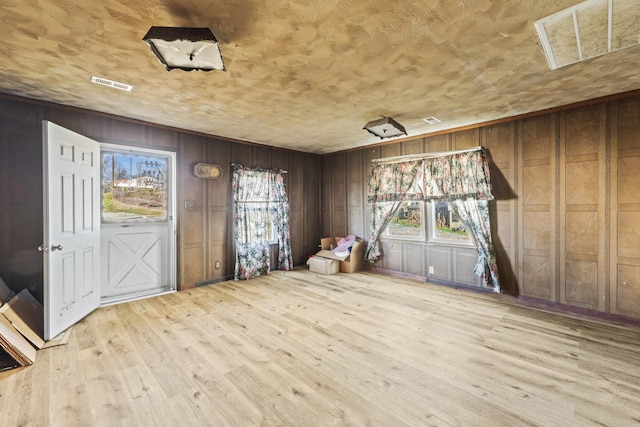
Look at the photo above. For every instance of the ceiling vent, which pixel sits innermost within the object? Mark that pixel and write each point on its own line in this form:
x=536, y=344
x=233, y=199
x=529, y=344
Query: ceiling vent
x=432, y=120
x=589, y=29
x=111, y=83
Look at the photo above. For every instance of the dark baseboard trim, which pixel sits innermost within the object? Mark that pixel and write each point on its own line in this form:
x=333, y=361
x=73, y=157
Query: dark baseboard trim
x=212, y=281
x=573, y=310
x=460, y=286
x=385, y=272
x=519, y=300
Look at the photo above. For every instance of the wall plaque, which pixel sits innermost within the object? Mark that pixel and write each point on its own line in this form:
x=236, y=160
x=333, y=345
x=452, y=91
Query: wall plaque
x=207, y=171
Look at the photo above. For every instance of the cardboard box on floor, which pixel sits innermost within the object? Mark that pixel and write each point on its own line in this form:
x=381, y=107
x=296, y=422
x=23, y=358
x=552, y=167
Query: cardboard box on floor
x=322, y=265
x=21, y=329
x=15, y=350
x=349, y=263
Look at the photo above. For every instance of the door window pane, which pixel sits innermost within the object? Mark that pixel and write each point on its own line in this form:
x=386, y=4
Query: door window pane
x=133, y=187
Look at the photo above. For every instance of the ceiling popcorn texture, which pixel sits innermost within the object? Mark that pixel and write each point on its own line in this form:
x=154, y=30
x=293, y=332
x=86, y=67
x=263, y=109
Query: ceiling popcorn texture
x=303, y=74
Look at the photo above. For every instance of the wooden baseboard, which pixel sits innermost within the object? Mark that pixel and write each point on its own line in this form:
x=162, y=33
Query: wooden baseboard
x=519, y=300
x=569, y=309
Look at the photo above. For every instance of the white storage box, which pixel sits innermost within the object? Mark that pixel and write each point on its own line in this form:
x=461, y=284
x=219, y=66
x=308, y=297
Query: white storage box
x=322, y=265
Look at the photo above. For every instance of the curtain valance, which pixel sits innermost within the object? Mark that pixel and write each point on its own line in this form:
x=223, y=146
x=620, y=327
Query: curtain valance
x=447, y=177
x=258, y=184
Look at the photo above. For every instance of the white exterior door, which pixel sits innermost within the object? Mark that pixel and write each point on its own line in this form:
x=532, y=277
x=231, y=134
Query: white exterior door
x=71, y=246
x=137, y=229
x=137, y=261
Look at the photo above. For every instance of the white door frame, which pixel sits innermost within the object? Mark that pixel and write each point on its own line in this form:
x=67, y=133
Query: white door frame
x=171, y=241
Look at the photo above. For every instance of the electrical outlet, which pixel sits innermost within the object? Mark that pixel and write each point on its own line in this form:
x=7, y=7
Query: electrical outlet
x=431, y=270
x=188, y=205
x=217, y=265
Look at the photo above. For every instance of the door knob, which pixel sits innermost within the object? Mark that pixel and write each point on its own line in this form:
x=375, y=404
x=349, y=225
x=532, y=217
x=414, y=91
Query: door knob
x=56, y=247
x=43, y=248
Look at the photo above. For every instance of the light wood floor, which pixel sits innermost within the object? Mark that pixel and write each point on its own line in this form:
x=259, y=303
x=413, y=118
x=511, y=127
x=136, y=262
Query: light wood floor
x=300, y=349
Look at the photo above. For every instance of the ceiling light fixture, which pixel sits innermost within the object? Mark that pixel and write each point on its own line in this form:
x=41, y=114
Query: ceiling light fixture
x=185, y=48
x=385, y=127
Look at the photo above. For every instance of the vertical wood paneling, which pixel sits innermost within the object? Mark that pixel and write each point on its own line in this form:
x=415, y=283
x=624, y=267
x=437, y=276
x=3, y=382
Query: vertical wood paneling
x=192, y=223
x=415, y=146
x=219, y=190
x=438, y=143
x=219, y=224
x=295, y=193
x=326, y=197
x=582, y=204
x=355, y=176
x=440, y=259
x=414, y=259
x=464, y=259
x=624, y=249
x=76, y=123
x=124, y=132
x=261, y=157
x=242, y=155
x=537, y=221
x=500, y=144
x=21, y=197
x=312, y=228
x=338, y=201
x=162, y=139
x=391, y=150
x=465, y=139
x=393, y=255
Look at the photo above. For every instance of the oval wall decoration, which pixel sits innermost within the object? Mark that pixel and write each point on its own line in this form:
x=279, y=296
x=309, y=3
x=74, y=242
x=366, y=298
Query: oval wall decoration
x=207, y=171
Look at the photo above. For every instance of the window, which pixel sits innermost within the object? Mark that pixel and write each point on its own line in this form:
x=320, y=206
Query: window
x=133, y=187
x=408, y=222
x=258, y=215
x=445, y=226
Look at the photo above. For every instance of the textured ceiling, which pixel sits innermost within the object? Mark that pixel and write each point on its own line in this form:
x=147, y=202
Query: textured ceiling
x=303, y=74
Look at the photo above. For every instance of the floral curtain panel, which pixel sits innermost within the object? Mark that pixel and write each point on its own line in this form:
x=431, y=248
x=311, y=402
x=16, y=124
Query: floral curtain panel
x=462, y=177
x=475, y=215
x=389, y=186
x=260, y=203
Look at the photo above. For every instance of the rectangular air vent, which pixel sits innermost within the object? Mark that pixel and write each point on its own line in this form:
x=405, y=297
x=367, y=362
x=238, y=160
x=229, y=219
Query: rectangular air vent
x=111, y=83
x=432, y=120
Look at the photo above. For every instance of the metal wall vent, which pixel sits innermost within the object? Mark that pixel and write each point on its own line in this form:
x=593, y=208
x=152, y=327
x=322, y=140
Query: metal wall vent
x=589, y=29
x=111, y=83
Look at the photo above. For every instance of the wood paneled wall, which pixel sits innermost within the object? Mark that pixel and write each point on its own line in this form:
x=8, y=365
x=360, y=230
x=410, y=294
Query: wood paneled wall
x=204, y=229
x=566, y=214
x=566, y=219
x=21, y=196
x=623, y=211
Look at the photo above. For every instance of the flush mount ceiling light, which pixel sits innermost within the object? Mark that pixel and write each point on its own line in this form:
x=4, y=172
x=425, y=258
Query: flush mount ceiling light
x=588, y=29
x=385, y=127
x=185, y=48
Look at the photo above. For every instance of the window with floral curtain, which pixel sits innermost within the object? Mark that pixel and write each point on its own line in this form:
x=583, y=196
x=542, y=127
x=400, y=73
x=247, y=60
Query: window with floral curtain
x=261, y=216
x=460, y=177
x=389, y=186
